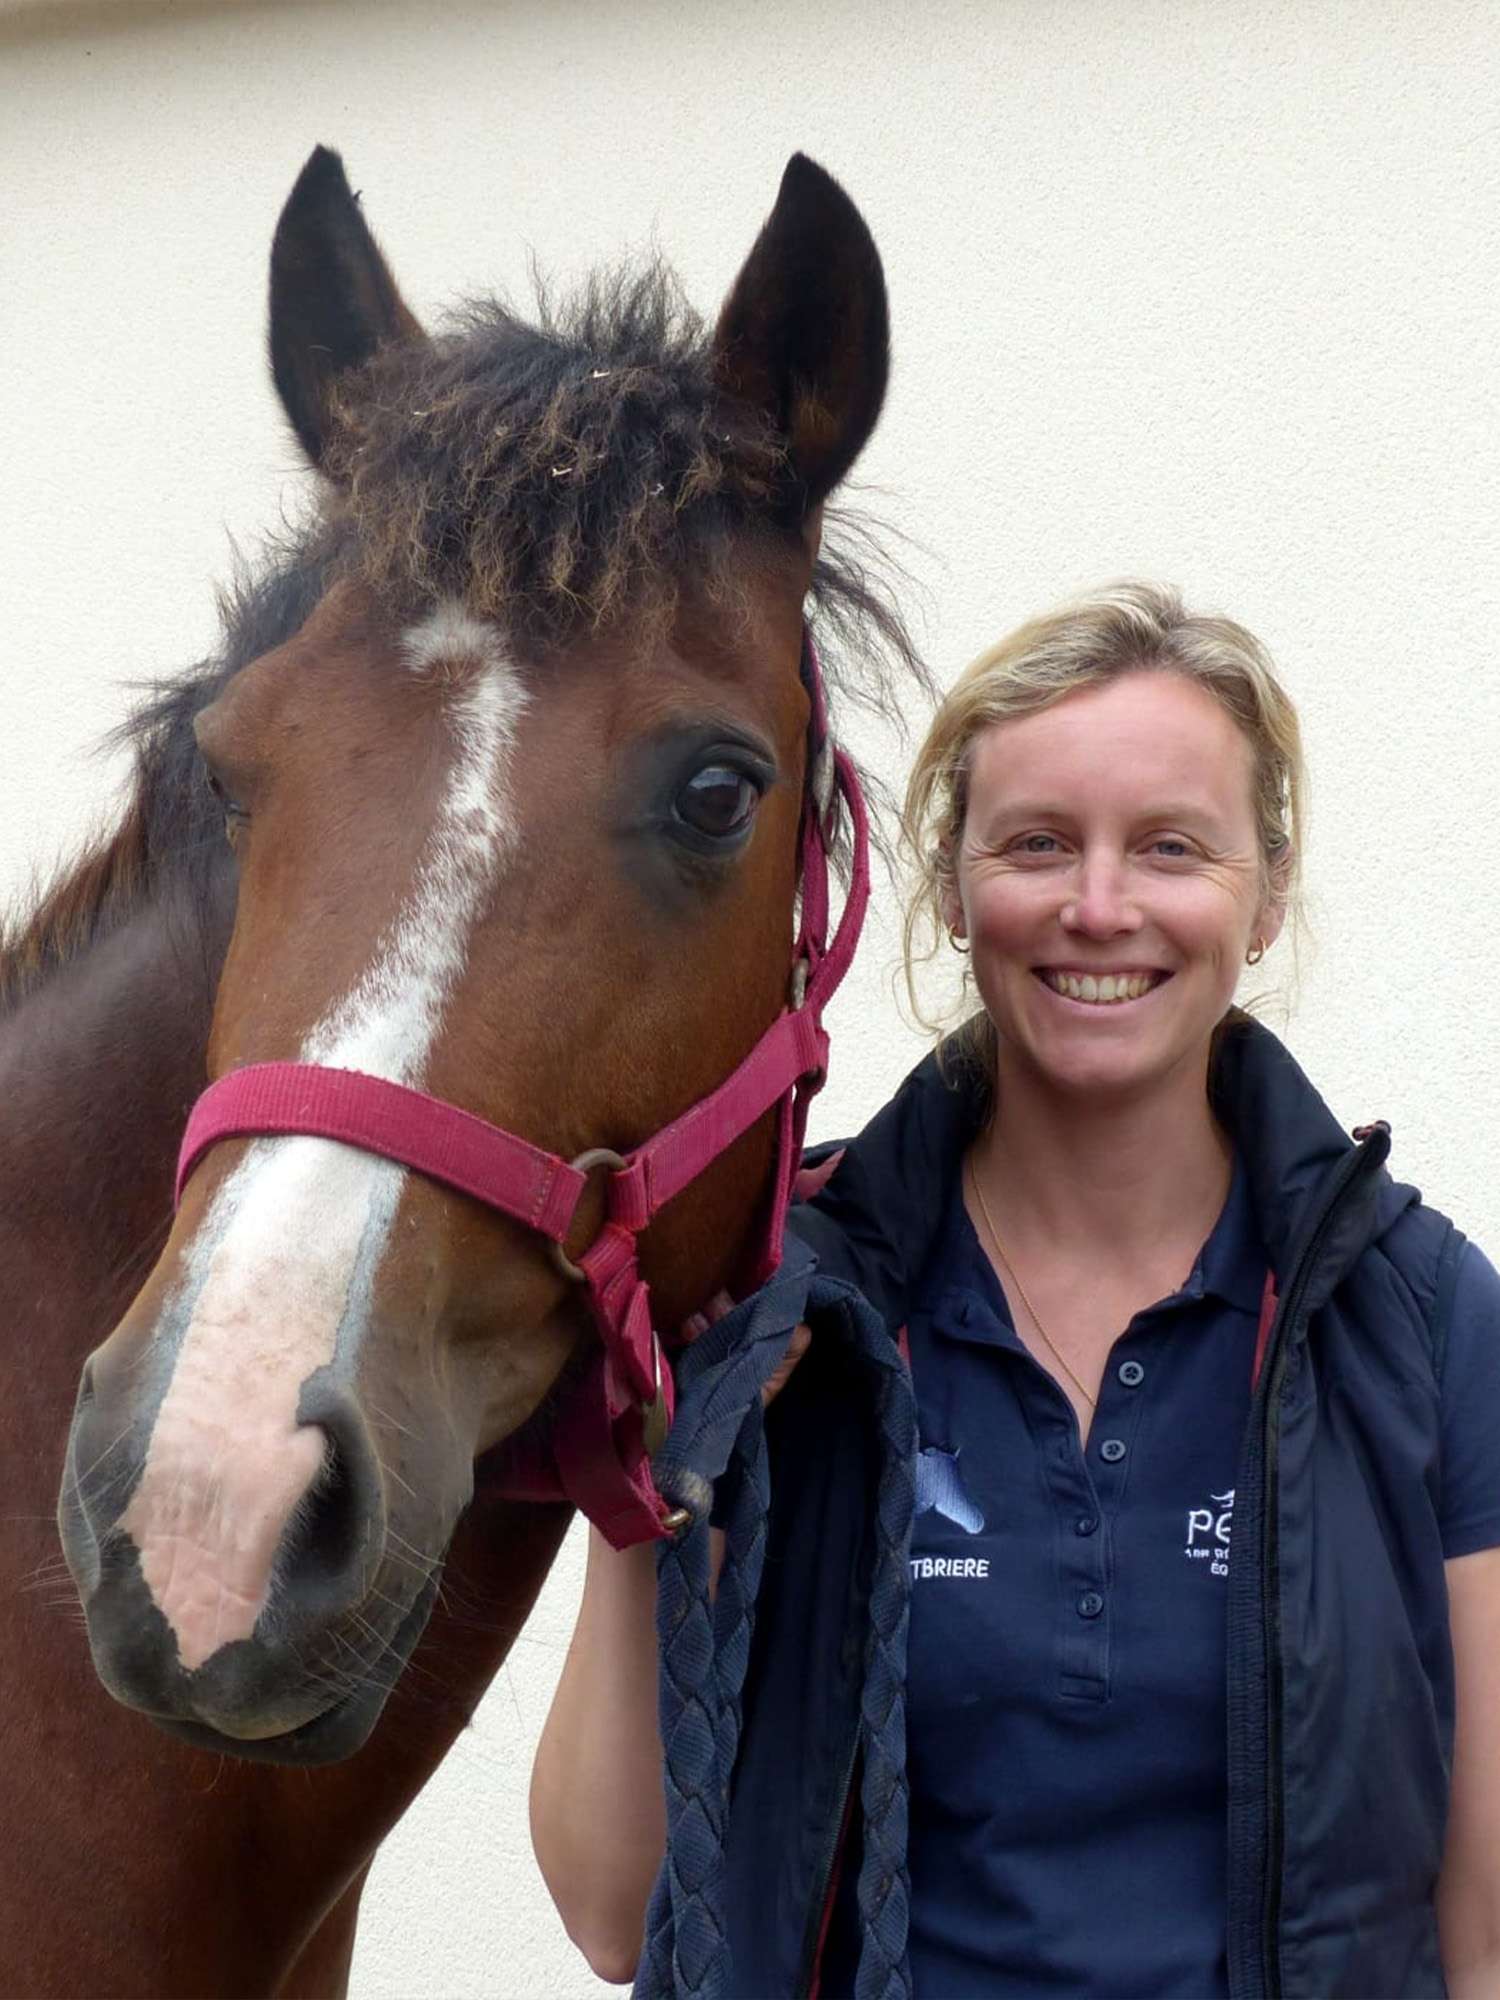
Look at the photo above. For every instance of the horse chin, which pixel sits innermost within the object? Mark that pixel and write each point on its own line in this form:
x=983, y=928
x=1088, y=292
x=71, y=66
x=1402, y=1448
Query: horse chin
x=257, y=1699
x=335, y=1732
x=328, y=1739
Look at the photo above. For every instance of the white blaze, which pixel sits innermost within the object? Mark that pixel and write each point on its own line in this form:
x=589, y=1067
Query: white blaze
x=288, y=1251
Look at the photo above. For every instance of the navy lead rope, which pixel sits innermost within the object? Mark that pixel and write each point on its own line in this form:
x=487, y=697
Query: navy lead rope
x=717, y=1437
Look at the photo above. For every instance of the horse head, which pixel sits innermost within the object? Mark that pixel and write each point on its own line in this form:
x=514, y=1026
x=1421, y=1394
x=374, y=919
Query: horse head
x=515, y=816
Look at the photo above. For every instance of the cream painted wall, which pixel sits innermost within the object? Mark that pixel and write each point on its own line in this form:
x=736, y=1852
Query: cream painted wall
x=1183, y=289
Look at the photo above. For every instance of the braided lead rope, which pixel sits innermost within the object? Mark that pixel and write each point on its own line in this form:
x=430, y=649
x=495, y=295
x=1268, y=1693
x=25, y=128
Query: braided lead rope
x=686, y=1954
x=884, y=1882
x=687, y=1938
x=748, y=1489
x=704, y=1652
x=655, y=1975
x=703, y=1649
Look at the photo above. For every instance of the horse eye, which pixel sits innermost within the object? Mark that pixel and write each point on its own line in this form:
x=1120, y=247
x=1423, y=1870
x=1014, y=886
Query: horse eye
x=718, y=802
x=235, y=814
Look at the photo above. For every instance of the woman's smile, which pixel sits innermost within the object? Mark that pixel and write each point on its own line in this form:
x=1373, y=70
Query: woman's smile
x=1098, y=988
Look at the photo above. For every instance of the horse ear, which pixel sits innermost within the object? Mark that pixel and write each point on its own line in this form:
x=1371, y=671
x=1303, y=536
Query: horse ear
x=805, y=333
x=333, y=299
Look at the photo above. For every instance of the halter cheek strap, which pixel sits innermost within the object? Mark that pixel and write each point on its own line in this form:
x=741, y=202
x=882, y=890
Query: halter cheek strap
x=597, y=1451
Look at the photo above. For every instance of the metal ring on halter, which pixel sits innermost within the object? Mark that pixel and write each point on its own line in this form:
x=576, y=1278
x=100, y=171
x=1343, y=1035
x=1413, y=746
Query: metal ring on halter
x=596, y=1156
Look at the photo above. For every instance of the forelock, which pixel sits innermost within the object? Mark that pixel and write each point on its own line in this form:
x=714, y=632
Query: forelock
x=555, y=476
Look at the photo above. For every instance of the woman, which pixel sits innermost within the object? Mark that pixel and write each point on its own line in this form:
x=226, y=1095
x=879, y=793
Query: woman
x=1207, y=1548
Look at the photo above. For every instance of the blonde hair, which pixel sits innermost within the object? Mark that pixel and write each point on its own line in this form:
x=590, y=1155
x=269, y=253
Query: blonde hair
x=1124, y=628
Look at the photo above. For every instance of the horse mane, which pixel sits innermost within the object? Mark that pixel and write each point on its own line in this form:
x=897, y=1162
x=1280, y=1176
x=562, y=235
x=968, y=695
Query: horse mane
x=557, y=478
x=170, y=834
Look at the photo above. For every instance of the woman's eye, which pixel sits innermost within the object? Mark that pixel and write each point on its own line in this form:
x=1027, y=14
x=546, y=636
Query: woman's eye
x=1171, y=848
x=1037, y=843
x=717, y=802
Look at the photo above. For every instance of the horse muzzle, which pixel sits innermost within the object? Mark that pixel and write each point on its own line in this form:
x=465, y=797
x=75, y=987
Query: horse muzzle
x=280, y=1639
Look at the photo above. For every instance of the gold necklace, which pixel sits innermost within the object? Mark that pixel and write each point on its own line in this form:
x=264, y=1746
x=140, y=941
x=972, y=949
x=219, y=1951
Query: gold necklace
x=1033, y=1314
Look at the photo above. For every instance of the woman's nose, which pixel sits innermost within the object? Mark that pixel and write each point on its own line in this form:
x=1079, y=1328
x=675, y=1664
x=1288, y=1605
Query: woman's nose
x=1101, y=905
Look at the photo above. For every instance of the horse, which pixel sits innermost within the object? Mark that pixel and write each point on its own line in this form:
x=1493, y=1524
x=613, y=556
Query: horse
x=493, y=788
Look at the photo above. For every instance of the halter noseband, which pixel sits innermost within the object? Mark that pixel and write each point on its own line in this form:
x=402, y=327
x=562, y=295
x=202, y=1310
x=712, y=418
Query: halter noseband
x=597, y=1452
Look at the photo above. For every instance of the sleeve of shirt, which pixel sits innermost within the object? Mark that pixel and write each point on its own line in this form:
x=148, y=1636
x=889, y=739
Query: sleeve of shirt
x=1471, y=1410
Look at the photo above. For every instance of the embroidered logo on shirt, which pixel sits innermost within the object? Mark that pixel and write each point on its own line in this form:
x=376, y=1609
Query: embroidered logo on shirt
x=1208, y=1533
x=940, y=1490
x=949, y=1566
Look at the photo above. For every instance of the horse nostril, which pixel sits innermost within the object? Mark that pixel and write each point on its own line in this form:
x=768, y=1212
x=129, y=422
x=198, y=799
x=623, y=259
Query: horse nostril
x=339, y=1518
x=328, y=1526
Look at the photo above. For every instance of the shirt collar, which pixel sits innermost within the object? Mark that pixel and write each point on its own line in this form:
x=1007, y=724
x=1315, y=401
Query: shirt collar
x=967, y=1301
x=1232, y=1263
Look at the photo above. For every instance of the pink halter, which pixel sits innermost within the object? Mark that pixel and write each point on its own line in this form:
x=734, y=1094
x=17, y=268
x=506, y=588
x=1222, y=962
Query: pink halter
x=597, y=1452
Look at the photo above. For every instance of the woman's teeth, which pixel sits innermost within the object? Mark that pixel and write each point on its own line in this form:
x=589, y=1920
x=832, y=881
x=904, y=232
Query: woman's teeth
x=1104, y=989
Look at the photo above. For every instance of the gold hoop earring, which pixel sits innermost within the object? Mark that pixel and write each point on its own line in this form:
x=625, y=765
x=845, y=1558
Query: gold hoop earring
x=1256, y=952
x=959, y=943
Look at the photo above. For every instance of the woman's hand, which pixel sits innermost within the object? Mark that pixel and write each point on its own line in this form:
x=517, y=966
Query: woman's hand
x=722, y=1303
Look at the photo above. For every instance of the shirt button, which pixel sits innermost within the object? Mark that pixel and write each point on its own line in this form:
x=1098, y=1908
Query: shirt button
x=1131, y=1373
x=1112, y=1450
x=1085, y=1525
x=1090, y=1604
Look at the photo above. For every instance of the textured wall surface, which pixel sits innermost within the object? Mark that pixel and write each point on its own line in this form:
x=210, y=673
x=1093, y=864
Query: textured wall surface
x=1185, y=290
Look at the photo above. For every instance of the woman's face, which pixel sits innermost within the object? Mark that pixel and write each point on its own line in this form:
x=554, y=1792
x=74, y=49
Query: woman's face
x=1109, y=882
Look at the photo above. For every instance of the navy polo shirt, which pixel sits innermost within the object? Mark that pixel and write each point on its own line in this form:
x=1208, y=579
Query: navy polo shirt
x=1066, y=1676
x=1066, y=1681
